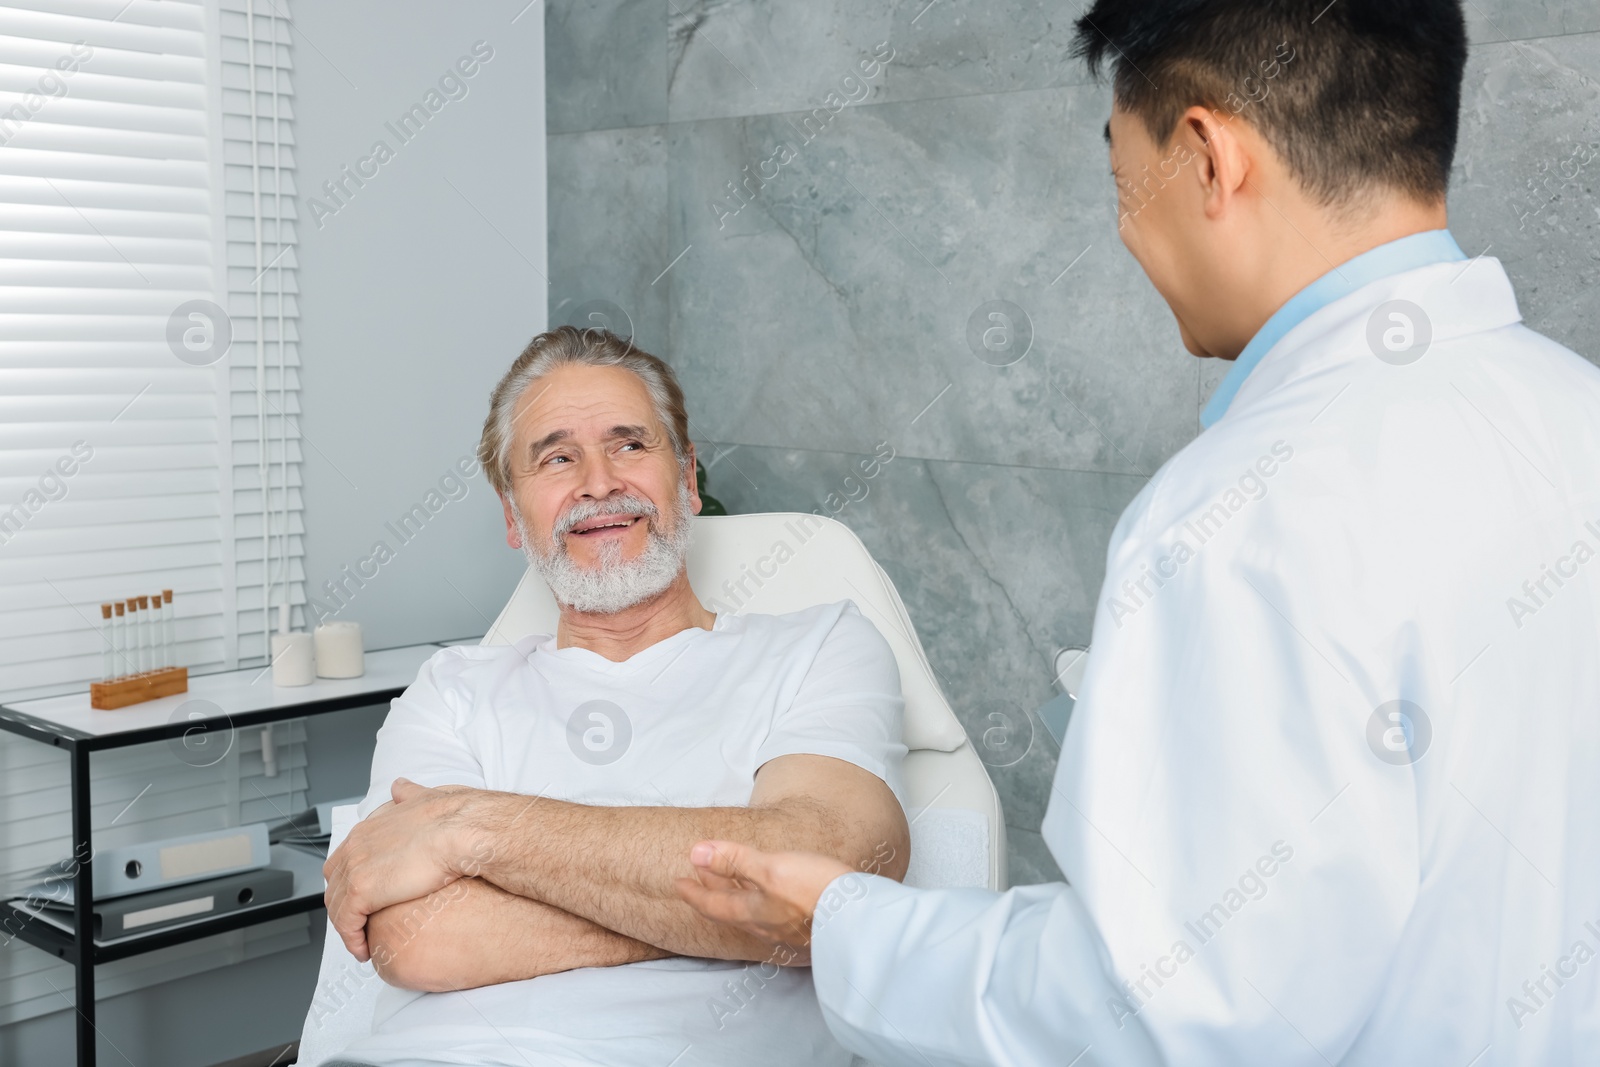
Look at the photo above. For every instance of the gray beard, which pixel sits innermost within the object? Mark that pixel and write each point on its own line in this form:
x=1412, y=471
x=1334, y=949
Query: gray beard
x=614, y=584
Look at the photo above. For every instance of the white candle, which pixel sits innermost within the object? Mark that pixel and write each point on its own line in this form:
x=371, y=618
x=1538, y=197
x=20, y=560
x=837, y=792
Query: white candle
x=338, y=648
x=292, y=660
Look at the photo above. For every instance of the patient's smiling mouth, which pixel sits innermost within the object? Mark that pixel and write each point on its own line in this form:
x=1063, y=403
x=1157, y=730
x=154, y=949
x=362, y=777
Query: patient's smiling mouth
x=601, y=525
x=615, y=524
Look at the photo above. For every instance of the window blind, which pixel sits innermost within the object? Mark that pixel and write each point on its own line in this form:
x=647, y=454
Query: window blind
x=105, y=224
x=120, y=204
x=146, y=171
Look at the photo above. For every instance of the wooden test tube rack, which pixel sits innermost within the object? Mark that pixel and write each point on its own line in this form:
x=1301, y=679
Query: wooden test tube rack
x=137, y=688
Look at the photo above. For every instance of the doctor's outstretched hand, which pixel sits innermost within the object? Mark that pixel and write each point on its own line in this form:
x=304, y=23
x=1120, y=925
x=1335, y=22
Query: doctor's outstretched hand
x=769, y=894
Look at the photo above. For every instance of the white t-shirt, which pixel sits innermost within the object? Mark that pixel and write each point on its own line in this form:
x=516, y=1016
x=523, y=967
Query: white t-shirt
x=686, y=722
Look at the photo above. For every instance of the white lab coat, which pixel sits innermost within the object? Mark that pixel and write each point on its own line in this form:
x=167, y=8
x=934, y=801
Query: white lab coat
x=1273, y=882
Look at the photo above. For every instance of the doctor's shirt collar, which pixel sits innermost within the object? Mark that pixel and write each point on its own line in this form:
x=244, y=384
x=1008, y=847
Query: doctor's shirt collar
x=1396, y=257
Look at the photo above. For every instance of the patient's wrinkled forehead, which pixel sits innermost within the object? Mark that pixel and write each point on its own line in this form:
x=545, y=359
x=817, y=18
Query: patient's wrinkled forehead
x=581, y=405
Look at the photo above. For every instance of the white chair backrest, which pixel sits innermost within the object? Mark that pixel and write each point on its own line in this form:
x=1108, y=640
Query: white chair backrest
x=775, y=563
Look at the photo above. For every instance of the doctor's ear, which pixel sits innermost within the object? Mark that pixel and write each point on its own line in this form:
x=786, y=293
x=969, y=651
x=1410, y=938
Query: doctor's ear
x=513, y=538
x=1211, y=140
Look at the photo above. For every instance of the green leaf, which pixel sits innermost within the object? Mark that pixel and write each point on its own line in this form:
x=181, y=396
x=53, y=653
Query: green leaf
x=709, y=505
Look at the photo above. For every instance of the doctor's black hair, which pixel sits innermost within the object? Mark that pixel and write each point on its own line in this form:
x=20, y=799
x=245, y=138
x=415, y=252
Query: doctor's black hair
x=1370, y=98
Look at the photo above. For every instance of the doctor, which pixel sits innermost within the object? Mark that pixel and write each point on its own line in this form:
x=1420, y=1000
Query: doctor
x=1331, y=793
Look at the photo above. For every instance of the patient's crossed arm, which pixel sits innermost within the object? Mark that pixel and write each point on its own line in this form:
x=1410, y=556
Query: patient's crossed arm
x=473, y=933
x=511, y=886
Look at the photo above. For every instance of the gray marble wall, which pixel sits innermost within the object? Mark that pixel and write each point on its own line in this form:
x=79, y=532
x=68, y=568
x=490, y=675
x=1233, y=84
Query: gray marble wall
x=816, y=300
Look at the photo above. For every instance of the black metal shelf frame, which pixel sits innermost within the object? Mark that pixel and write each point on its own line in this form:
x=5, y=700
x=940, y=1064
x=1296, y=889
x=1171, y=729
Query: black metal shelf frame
x=80, y=746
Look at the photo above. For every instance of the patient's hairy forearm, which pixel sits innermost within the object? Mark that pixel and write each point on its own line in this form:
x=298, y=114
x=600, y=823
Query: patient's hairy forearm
x=472, y=933
x=616, y=865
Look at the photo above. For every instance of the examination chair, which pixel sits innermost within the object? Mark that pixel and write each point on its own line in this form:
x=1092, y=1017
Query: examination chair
x=957, y=833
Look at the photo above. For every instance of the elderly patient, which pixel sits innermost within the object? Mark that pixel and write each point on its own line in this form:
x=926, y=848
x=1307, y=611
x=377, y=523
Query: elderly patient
x=532, y=805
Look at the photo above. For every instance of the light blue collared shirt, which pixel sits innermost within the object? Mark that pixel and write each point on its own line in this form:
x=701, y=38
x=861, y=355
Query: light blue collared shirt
x=1408, y=253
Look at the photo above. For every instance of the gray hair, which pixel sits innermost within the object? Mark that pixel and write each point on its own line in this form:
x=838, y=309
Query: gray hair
x=566, y=346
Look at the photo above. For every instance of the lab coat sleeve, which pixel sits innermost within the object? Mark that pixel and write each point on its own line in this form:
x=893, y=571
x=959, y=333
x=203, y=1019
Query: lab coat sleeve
x=966, y=976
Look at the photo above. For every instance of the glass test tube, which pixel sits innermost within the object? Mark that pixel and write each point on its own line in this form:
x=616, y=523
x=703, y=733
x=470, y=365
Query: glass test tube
x=119, y=637
x=147, y=648
x=107, y=661
x=168, y=629
x=135, y=637
x=155, y=632
x=156, y=651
